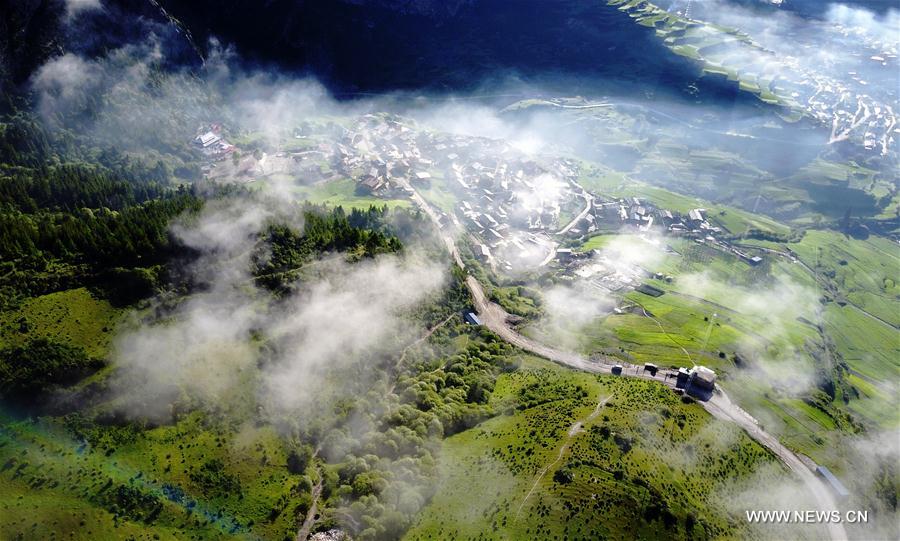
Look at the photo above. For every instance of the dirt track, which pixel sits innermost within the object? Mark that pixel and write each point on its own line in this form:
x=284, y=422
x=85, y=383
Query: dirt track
x=719, y=405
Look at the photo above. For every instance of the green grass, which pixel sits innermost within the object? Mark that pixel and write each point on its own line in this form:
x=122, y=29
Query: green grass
x=797, y=425
x=641, y=457
x=58, y=485
x=734, y=220
x=517, y=300
x=73, y=316
x=701, y=312
x=45, y=514
x=869, y=346
x=438, y=194
x=596, y=242
x=343, y=192
x=866, y=272
x=777, y=335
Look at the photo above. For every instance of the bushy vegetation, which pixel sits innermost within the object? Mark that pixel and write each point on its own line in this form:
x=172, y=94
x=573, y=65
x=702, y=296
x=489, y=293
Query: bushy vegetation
x=362, y=233
x=30, y=371
x=642, y=465
x=76, y=222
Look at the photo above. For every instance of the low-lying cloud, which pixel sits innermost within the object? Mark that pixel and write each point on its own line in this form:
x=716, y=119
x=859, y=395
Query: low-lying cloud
x=203, y=348
x=778, y=311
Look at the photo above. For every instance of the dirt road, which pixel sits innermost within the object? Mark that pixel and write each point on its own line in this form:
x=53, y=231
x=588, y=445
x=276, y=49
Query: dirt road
x=588, y=202
x=719, y=405
x=306, y=528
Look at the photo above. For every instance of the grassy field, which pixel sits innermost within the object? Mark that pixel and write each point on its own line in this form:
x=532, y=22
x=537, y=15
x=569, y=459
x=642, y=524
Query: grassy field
x=632, y=469
x=343, y=192
x=766, y=329
x=113, y=483
x=596, y=242
x=78, y=479
x=437, y=193
x=866, y=272
x=708, y=309
x=73, y=316
x=734, y=220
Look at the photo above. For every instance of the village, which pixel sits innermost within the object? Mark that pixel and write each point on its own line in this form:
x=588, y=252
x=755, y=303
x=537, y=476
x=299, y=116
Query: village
x=517, y=212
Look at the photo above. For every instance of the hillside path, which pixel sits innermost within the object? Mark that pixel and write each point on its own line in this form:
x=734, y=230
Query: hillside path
x=495, y=318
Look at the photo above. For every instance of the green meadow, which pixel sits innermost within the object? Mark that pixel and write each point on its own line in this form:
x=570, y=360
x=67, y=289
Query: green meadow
x=342, y=192
x=73, y=316
x=642, y=464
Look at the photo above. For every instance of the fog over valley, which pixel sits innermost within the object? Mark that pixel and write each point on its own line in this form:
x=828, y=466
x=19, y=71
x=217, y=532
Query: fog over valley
x=368, y=269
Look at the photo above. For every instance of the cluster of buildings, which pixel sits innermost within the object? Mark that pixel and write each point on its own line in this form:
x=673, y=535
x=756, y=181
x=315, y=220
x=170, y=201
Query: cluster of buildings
x=210, y=140
x=643, y=216
x=856, y=104
x=510, y=204
x=699, y=381
x=515, y=208
x=610, y=273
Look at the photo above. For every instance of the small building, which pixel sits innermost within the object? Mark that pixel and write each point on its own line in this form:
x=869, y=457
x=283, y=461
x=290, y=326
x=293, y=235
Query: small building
x=472, y=318
x=696, y=215
x=564, y=254
x=207, y=139
x=755, y=260
x=617, y=370
x=677, y=229
x=839, y=489
x=369, y=184
x=482, y=252
x=652, y=368
x=703, y=377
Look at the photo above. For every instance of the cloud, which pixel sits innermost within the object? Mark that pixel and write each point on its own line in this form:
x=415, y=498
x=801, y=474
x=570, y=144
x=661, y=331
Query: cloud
x=635, y=252
x=273, y=106
x=869, y=472
x=354, y=312
x=572, y=307
x=63, y=82
x=772, y=341
x=210, y=343
x=202, y=346
x=770, y=488
x=568, y=311
x=74, y=7
x=873, y=476
x=884, y=28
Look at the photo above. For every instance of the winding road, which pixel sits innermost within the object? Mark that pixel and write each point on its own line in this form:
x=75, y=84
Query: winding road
x=720, y=406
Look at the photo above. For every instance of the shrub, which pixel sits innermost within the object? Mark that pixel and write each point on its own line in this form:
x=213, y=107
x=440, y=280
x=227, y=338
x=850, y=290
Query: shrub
x=30, y=371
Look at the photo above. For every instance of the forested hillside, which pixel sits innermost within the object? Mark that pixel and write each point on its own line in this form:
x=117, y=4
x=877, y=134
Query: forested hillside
x=67, y=222
x=88, y=236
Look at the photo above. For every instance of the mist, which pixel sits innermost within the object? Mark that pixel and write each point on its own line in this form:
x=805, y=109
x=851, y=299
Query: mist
x=295, y=357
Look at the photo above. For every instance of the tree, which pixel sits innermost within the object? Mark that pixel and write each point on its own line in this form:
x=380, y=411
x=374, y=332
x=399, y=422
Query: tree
x=28, y=372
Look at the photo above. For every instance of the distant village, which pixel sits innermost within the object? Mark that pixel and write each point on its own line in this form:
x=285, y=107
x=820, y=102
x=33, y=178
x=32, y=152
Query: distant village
x=517, y=211
x=514, y=210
